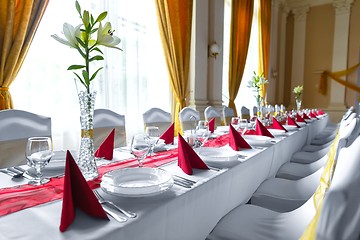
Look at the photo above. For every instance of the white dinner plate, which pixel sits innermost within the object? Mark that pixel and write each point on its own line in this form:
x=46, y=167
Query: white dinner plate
x=277, y=132
x=222, y=128
x=256, y=139
x=290, y=127
x=216, y=155
x=137, y=182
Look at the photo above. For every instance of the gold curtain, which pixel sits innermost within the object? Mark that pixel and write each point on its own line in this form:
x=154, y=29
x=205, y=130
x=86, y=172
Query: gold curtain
x=240, y=28
x=174, y=18
x=336, y=76
x=19, y=20
x=264, y=16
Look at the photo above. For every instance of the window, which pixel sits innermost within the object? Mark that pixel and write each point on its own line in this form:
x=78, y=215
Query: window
x=245, y=95
x=132, y=81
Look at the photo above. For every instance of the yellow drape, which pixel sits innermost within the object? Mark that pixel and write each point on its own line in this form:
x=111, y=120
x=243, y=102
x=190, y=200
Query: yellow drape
x=174, y=18
x=264, y=15
x=241, y=20
x=19, y=20
x=336, y=76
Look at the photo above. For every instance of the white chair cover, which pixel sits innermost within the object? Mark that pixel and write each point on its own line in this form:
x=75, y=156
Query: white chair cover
x=339, y=219
x=188, y=118
x=245, y=113
x=158, y=118
x=104, y=122
x=227, y=114
x=211, y=112
x=16, y=126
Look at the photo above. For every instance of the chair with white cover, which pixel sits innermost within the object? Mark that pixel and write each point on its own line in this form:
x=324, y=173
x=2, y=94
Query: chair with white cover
x=104, y=122
x=211, y=112
x=339, y=218
x=245, y=113
x=158, y=118
x=188, y=118
x=283, y=195
x=16, y=126
x=227, y=114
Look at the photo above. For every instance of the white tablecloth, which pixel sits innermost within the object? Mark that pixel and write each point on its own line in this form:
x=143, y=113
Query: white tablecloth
x=179, y=213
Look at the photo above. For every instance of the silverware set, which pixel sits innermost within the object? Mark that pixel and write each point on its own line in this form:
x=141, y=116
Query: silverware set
x=110, y=210
x=17, y=172
x=183, y=182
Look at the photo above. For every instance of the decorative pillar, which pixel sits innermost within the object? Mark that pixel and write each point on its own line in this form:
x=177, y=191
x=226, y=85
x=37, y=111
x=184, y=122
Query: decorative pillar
x=199, y=55
x=273, y=64
x=298, y=56
x=340, y=55
x=280, y=74
x=215, y=65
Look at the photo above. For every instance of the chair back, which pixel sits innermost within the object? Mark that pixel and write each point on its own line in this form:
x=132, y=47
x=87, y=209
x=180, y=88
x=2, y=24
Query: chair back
x=340, y=213
x=211, y=112
x=227, y=114
x=158, y=118
x=104, y=122
x=16, y=126
x=188, y=118
x=245, y=113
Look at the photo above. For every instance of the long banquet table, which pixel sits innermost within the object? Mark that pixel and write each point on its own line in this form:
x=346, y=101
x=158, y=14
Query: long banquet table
x=179, y=213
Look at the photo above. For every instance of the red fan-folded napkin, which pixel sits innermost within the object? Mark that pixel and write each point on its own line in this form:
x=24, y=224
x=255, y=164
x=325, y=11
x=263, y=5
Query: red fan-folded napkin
x=312, y=115
x=77, y=194
x=261, y=129
x=292, y=122
x=187, y=157
x=278, y=125
x=107, y=147
x=168, y=135
x=320, y=112
x=304, y=116
x=236, y=141
x=299, y=118
x=211, y=125
x=249, y=132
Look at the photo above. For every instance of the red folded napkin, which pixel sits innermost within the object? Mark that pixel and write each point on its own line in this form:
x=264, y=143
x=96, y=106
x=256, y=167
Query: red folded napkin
x=187, y=157
x=299, y=118
x=236, y=141
x=211, y=125
x=106, y=148
x=312, y=115
x=292, y=122
x=168, y=135
x=304, y=116
x=77, y=194
x=277, y=125
x=261, y=129
x=320, y=112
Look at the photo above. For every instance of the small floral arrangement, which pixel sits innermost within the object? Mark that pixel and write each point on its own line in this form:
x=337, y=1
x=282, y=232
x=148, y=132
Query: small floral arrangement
x=257, y=84
x=82, y=39
x=298, y=90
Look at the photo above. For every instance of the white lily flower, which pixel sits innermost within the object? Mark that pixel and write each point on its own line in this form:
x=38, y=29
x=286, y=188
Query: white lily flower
x=70, y=34
x=105, y=36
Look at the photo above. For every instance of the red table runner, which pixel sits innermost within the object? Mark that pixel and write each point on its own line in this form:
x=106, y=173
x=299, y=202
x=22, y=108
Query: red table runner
x=16, y=198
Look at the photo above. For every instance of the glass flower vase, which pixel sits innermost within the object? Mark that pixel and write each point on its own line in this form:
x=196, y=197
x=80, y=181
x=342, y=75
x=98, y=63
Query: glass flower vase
x=86, y=159
x=298, y=104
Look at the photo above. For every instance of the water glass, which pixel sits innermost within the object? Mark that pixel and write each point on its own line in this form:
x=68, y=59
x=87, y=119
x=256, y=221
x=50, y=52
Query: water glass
x=39, y=151
x=153, y=135
x=140, y=147
x=235, y=122
x=202, y=132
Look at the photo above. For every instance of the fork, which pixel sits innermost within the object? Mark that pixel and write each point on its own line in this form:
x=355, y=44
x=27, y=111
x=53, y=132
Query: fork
x=103, y=201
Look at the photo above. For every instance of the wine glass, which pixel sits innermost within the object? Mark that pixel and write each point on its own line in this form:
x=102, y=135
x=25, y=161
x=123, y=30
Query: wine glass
x=39, y=151
x=202, y=132
x=243, y=123
x=140, y=147
x=235, y=122
x=153, y=135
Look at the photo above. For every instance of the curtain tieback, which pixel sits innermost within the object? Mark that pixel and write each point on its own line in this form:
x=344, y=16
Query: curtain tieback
x=4, y=89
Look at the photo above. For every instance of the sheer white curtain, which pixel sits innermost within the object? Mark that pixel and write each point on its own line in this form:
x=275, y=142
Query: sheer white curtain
x=245, y=95
x=132, y=81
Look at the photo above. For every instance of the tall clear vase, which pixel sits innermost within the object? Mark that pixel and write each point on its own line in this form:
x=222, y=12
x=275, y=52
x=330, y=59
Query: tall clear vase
x=298, y=104
x=86, y=160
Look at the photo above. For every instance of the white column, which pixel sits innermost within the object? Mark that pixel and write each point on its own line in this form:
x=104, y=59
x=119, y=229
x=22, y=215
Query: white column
x=199, y=55
x=273, y=66
x=298, y=57
x=280, y=74
x=215, y=65
x=340, y=54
